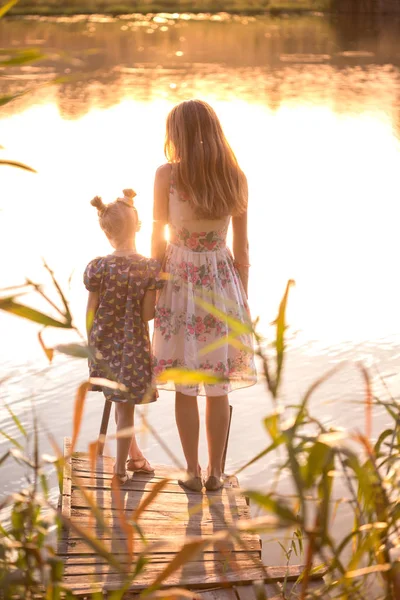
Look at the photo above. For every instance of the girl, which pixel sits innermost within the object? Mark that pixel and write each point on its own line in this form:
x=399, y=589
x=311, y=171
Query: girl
x=197, y=193
x=122, y=290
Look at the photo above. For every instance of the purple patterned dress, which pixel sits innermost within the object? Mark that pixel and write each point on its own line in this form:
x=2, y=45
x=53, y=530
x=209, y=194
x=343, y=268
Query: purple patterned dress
x=119, y=338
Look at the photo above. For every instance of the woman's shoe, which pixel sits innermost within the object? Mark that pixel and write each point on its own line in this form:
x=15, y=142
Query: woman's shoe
x=139, y=465
x=214, y=483
x=120, y=479
x=194, y=484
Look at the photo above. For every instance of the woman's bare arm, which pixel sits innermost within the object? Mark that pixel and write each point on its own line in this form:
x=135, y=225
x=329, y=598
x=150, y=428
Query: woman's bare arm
x=241, y=247
x=92, y=306
x=160, y=212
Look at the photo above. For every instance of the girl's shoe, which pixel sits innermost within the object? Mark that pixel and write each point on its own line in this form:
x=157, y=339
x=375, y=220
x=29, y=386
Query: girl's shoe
x=194, y=484
x=139, y=465
x=120, y=478
x=214, y=483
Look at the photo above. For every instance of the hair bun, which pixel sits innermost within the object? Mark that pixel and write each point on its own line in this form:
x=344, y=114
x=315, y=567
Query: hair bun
x=128, y=193
x=98, y=203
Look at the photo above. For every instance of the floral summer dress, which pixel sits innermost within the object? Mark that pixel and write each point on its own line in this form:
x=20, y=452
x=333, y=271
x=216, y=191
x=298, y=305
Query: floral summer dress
x=119, y=338
x=200, y=272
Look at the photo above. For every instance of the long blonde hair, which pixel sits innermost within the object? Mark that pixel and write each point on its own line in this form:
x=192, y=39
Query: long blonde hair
x=206, y=170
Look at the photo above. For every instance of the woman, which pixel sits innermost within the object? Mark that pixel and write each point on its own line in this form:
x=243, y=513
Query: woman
x=204, y=299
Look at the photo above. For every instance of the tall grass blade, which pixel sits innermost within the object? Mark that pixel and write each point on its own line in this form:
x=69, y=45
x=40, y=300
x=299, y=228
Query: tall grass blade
x=15, y=163
x=78, y=411
x=49, y=352
x=125, y=526
x=16, y=420
x=68, y=315
x=368, y=401
x=160, y=485
x=188, y=552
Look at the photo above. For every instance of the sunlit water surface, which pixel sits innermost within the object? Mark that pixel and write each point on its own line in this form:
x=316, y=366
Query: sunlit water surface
x=311, y=109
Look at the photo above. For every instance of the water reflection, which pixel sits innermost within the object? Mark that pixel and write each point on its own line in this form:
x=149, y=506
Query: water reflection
x=312, y=109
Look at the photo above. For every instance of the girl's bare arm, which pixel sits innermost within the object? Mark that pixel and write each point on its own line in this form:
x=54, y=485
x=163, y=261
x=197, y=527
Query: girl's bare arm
x=160, y=212
x=148, y=305
x=92, y=306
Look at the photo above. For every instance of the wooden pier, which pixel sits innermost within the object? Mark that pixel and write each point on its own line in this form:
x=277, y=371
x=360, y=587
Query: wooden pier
x=225, y=568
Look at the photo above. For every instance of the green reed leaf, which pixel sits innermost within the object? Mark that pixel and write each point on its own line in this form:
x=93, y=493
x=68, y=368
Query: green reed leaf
x=8, y=98
x=271, y=424
x=75, y=350
x=16, y=420
x=187, y=377
x=6, y=7
x=31, y=314
x=230, y=339
x=234, y=324
x=268, y=503
x=21, y=57
x=280, y=440
x=317, y=460
x=381, y=439
x=11, y=439
x=281, y=327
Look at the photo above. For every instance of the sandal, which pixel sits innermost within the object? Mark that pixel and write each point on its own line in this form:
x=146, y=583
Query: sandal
x=139, y=465
x=214, y=483
x=194, y=484
x=120, y=478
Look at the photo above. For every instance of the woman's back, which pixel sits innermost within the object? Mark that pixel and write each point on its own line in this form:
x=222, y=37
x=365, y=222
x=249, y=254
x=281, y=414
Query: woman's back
x=187, y=229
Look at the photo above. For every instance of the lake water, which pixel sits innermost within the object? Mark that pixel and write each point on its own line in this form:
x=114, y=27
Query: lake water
x=312, y=110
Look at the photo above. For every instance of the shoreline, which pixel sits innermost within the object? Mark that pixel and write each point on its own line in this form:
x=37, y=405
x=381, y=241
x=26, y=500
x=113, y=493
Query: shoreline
x=114, y=8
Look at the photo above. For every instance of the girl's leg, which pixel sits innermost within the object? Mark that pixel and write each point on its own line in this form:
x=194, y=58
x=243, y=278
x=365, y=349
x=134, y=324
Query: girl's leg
x=188, y=423
x=217, y=424
x=124, y=417
x=134, y=451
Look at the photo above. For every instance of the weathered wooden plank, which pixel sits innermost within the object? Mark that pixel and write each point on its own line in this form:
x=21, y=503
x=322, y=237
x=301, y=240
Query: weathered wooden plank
x=210, y=574
x=105, y=464
x=161, y=545
x=66, y=484
x=200, y=574
x=105, y=468
x=103, y=481
x=78, y=563
x=226, y=503
x=151, y=529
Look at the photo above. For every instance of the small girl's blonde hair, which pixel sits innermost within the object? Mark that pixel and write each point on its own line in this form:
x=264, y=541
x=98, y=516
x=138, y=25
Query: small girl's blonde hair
x=119, y=220
x=206, y=169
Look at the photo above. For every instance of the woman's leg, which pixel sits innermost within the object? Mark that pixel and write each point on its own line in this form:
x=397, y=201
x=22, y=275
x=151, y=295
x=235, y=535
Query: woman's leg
x=188, y=423
x=124, y=414
x=217, y=424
